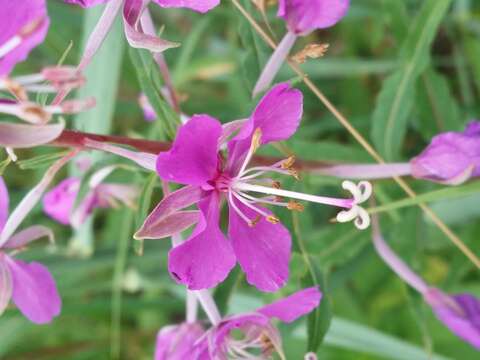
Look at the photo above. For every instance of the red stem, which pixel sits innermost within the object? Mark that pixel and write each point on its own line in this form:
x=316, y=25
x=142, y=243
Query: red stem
x=71, y=138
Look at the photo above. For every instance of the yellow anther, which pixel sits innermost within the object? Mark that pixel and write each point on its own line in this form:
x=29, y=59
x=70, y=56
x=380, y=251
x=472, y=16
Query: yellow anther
x=295, y=206
x=273, y=219
x=254, y=222
x=16, y=89
x=288, y=163
x=256, y=140
x=294, y=173
x=276, y=184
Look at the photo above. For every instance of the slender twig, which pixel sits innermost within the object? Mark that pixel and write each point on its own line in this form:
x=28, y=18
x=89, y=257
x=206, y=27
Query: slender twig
x=361, y=140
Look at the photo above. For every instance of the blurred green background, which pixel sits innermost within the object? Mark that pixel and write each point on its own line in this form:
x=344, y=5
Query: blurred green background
x=114, y=301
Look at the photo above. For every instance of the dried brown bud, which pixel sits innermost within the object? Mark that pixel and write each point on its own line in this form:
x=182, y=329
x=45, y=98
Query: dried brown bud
x=313, y=51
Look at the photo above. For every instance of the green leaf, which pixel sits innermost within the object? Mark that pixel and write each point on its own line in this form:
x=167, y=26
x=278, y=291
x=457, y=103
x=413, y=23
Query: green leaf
x=350, y=335
x=319, y=319
x=102, y=74
x=147, y=72
x=41, y=161
x=145, y=203
x=187, y=49
x=396, y=99
x=256, y=51
x=224, y=291
x=439, y=110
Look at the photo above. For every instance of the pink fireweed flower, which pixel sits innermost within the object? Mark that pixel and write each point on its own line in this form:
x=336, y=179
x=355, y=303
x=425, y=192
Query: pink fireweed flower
x=177, y=342
x=30, y=285
x=256, y=239
x=302, y=17
x=260, y=337
x=460, y=313
x=24, y=26
x=451, y=158
x=59, y=202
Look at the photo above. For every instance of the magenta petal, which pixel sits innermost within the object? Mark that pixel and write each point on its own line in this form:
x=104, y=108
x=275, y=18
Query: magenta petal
x=34, y=291
x=26, y=20
x=198, y=5
x=4, y=201
x=166, y=219
x=132, y=11
x=5, y=284
x=85, y=3
x=460, y=313
x=58, y=202
x=303, y=17
x=472, y=128
x=169, y=225
x=263, y=250
x=193, y=158
x=176, y=342
x=450, y=157
x=294, y=306
x=277, y=115
x=204, y=260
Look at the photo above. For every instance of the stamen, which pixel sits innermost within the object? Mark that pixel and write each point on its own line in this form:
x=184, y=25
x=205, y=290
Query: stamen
x=254, y=208
x=239, y=212
x=254, y=145
x=242, y=186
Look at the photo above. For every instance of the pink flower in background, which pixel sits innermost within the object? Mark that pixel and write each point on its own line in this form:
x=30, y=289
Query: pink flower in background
x=30, y=285
x=259, y=335
x=59, y=202
x=305, y=16
x=256, y=239
x=451, y=157
x=460, y=313
x=302, y=17
x=197, y=5
x=177, y=342
x=24, y=26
